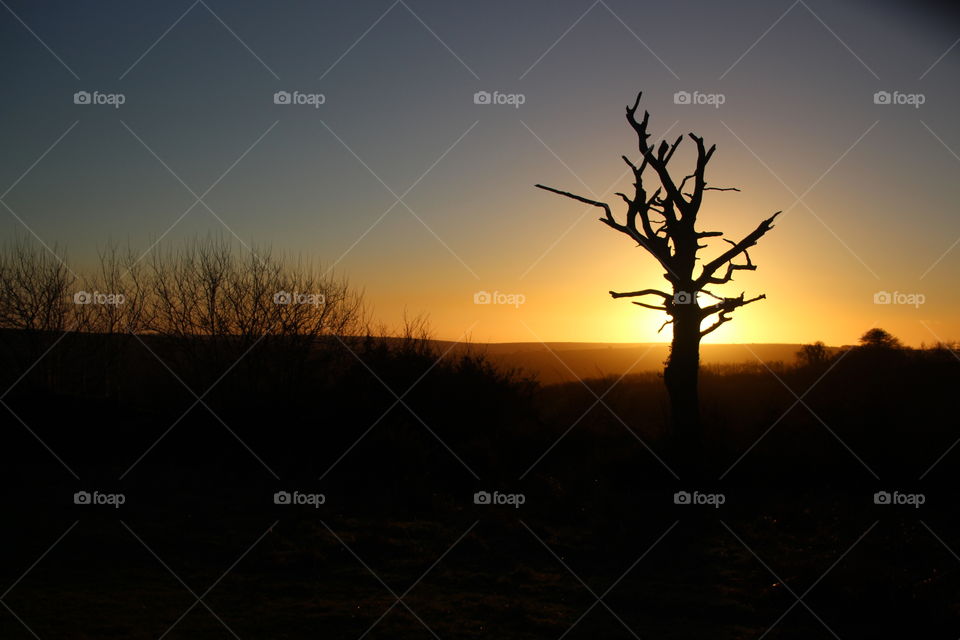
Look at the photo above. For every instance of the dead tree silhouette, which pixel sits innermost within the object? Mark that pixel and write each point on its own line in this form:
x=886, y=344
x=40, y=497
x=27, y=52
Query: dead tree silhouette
x=664, y=224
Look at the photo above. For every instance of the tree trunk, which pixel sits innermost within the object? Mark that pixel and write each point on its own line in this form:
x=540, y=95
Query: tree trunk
x=681, y=377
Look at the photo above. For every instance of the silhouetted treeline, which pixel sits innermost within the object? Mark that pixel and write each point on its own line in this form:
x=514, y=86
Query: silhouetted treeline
x=843, y=414
x=201, y=305
x=282, y=354
x=205, y=337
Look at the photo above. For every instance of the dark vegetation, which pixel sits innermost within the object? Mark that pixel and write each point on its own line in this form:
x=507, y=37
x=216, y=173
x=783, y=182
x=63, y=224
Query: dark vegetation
x=305, y=397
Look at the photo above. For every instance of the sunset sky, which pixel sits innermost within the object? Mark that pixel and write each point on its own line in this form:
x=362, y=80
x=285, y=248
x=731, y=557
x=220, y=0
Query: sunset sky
x=869, y=191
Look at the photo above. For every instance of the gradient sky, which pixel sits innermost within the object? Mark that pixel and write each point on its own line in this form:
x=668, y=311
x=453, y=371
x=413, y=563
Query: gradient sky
x=869, y=191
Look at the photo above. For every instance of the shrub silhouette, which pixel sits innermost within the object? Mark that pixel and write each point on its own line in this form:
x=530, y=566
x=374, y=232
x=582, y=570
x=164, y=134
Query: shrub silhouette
x=812, y=355
x=879, y=339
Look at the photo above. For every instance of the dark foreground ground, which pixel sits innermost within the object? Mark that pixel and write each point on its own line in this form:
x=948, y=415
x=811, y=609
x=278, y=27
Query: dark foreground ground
x=469, y=572
x=399, y=549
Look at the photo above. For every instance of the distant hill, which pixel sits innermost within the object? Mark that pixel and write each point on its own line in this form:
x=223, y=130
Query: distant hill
x=550, y=362
x=564, y=361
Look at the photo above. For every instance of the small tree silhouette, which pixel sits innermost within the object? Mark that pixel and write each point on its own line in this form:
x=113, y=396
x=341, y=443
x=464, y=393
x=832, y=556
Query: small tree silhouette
x=813, y=354
x=879, y=339
x=664, y=224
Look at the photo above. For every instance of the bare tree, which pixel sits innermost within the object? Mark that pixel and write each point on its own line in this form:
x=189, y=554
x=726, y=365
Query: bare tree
x=811, y=355
x=664, y=223
x=207, y=289
x=212, y=305
x=199, y=306
x=34, y=308
x=115, y=308
x=33, y=288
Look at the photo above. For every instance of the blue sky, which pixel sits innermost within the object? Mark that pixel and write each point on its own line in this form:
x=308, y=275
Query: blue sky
x=869, y=190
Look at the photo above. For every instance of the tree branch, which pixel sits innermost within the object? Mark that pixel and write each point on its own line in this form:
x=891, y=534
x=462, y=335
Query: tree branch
x=731, y=267
x=706, y=275
x=716, y=325
x=596, y=203
x=728, y=305
x=655, y=246
x=699, y=182
x=644, y=292
x=722, y=308
x=658, y=162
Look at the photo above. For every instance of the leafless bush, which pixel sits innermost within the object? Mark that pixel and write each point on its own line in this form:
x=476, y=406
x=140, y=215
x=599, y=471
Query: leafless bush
x=205, y=302
x=119, y=275
x=207, y=288
x=34, y=311
x=33, y=288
